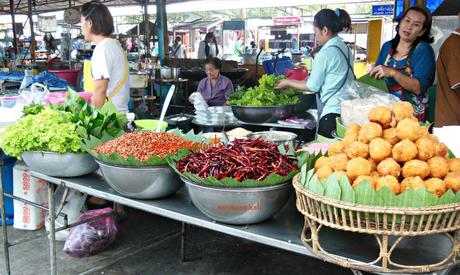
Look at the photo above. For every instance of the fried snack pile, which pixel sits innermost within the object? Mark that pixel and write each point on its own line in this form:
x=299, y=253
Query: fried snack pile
x=392, y=150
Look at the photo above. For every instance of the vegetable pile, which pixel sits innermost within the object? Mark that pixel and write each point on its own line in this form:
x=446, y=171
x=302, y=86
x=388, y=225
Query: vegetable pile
x=142, y=146
x=264, y=94
x=244, y=159
x=49, y=130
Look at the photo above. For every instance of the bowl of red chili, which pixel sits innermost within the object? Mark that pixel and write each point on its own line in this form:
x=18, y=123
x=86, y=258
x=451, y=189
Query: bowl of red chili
x=246, y=181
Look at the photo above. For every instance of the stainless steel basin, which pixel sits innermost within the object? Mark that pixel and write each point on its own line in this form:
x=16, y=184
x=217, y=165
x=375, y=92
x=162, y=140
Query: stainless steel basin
x=141, y=182
x=239, y=205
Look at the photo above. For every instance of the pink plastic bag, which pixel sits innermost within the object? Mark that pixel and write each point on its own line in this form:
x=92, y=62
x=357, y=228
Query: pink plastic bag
x=91, y=238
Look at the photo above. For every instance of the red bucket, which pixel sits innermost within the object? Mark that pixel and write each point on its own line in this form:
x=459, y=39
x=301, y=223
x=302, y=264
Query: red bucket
x=68, y=75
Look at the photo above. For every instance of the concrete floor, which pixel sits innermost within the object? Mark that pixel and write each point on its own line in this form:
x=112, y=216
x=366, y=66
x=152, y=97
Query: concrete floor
x=150, y=244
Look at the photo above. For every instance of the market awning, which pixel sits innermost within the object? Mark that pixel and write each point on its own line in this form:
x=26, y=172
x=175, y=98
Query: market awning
x=141, y=28
x=199, y=24
x=40, y=6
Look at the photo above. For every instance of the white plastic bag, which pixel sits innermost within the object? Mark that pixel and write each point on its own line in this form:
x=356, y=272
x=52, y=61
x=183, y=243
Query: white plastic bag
x=356, y=103
x=71, y=206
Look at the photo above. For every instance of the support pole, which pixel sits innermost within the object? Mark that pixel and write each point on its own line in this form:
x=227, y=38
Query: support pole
x=32, y=33
x=162, y=28
x=6, y=252
x=147, y=27
x=13, y=22
x=52, y=234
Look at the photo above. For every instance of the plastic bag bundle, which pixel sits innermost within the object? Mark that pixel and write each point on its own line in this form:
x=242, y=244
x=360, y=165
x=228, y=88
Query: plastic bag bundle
x=91, y=238
x=356, y=103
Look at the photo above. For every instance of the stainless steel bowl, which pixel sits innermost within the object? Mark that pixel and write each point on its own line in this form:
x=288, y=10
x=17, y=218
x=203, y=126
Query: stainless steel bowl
x=141, y=183
x=278, y=137
x=265, y=114
x=60, y=165
x=239, y=205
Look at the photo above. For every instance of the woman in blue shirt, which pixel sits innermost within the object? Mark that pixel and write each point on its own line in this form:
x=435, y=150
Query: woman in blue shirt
x=407, y=63
x=332, y=68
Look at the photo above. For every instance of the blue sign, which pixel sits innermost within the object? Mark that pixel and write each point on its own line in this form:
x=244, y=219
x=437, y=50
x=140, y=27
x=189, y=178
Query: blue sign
x=382, y=9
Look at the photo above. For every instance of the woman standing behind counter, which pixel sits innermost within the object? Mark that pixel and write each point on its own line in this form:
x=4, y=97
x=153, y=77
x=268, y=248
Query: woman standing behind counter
x=332, y=68
x=407, y=63
x=215, y=88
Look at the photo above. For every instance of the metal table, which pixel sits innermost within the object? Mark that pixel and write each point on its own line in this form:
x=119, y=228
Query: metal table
x=282, y=231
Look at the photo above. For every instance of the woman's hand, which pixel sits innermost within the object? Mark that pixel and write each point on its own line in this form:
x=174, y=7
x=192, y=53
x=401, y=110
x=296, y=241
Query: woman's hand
x=381, y=71
x=282, y=84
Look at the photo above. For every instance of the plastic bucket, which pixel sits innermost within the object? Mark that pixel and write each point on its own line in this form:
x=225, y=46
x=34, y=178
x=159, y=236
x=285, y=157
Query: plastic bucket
x=68, y=75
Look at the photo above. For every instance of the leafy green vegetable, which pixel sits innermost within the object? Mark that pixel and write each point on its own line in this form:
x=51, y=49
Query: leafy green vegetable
x=264, y=94
x=49, y=130
x=32, y=109
x=91, y=121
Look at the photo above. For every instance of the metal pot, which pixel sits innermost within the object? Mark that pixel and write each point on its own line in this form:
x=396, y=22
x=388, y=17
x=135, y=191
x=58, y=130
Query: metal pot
x=170, y=73
x=264, y=114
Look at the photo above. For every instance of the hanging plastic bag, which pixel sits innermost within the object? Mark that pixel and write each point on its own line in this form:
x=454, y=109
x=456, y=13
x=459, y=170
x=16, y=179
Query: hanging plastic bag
x=91, y=238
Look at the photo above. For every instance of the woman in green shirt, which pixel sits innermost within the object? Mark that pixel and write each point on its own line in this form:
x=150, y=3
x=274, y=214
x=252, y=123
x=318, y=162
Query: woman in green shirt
x=332, y=68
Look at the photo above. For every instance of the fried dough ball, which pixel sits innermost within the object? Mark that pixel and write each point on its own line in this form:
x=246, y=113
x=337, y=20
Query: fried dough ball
x=370, y=131
x=426, y=148
x=439, y=167
x=423, y=132
x=390, y=136
x=353, y=129
x=324, y=172
x=452, y=181
x=335, y=148
x=454, y=165
x=321, y=161
x=442, y=150
x=402, y=110
x=360, y=179
x=379, y=149
x=357, y=149
x=414, y=168
x=358, y=167
x=436, y=186
x=375, y=176
x=412, y=182
x=381, y=115
x=390, y=182
x=389, y=167
x=373, y=164
x=338, y=162
x=404, y=150
x=434, y=138
x=407, y=129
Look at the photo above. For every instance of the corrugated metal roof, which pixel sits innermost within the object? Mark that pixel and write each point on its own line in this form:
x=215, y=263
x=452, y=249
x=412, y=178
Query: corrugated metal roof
x=40, y=6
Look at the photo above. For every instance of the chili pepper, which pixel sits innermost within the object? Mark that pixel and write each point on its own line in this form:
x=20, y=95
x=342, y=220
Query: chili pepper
x=241, y=160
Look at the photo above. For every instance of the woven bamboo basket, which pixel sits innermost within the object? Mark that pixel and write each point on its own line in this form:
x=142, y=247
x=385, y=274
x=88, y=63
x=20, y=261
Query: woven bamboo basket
x=382, y=223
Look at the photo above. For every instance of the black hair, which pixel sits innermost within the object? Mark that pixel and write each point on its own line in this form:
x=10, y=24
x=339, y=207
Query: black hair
x=336, y=21
x=178, y=39
x=426, y=37
x=100, y=17
x=210, y=35
x=215, y=62
x=207, y=49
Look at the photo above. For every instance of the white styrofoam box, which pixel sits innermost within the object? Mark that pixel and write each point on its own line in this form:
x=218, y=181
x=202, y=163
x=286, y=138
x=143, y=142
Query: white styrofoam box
x=28, y=217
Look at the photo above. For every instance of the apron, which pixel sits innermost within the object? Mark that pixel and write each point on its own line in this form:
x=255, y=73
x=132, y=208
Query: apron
x=89, y=80
x=419, y=102
x=320, y=104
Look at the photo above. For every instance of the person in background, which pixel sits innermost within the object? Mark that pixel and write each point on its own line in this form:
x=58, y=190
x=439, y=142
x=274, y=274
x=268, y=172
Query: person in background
x=332, y=68
x=447, y=110
x=178, y=50
x=208, y=47
x=215, y=88
x=407, y=62
x=109, y=64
